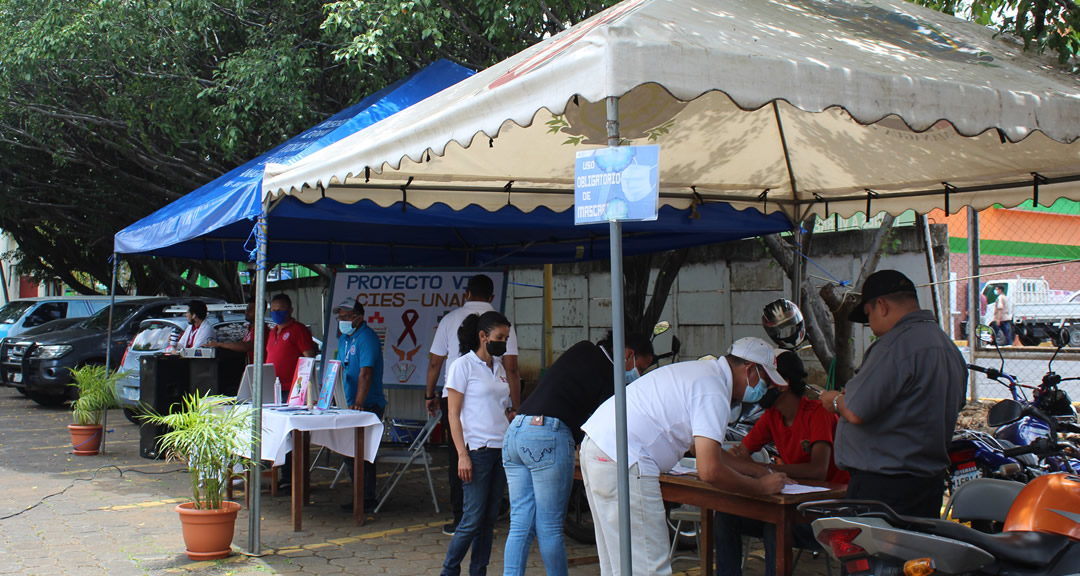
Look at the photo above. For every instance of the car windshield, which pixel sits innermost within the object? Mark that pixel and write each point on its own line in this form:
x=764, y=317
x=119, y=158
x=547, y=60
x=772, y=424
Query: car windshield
x=100, y=320
x=13, y=310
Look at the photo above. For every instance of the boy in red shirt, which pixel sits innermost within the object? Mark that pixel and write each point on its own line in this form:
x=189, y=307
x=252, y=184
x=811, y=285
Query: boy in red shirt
x=802, y=432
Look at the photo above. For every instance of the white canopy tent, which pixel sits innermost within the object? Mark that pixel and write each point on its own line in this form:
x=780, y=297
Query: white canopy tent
x=805, y=106
x=797, y=102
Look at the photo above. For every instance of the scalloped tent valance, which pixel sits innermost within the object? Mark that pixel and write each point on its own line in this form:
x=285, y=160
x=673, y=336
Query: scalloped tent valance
x=800, y=106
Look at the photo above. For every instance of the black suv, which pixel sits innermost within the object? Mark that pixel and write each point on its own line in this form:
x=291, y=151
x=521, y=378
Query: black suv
x=40, y=366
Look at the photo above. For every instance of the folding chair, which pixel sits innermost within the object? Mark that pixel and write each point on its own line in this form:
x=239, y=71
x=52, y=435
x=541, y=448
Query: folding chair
x=417, y=450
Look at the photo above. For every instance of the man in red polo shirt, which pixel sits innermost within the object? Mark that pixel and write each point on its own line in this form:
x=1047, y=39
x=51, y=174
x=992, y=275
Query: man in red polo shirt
x=287, y=341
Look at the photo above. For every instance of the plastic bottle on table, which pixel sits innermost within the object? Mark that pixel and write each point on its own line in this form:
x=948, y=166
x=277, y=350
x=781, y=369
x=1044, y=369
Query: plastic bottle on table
x=277, y=391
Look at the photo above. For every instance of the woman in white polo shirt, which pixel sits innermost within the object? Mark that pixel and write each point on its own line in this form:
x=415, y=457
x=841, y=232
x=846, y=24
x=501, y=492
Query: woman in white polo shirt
x=479, y=403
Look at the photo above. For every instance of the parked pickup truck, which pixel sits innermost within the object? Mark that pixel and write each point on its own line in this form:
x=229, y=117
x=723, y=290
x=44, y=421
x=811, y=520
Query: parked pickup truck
x=1038, y=312
x=41, y=365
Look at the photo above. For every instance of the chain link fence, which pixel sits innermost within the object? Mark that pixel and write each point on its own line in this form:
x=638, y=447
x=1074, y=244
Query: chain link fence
x=1027, y=269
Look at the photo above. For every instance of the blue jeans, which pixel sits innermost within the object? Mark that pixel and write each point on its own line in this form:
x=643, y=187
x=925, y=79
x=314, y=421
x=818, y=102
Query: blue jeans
x=729, y=532
x=482, y=497
x=539, y=463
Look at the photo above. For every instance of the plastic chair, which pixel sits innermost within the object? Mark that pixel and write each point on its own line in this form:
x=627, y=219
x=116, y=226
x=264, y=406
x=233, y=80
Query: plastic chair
x=403, y=458
x=685, y=513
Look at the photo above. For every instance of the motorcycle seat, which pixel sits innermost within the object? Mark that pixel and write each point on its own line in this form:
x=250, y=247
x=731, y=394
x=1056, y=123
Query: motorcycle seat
x=1034, y=549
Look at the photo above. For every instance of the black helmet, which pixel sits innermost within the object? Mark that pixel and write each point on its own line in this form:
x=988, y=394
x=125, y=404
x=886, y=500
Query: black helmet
x=783, y=322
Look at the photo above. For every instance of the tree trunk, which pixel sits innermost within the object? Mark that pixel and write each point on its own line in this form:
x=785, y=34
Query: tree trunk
x=826, y=311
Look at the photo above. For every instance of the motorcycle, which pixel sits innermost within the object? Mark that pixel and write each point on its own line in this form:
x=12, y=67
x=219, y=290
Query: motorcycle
x=1049, y=412
x=1041, y=529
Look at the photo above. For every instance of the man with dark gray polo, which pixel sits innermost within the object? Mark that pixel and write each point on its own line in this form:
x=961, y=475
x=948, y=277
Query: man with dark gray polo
x=898, y=414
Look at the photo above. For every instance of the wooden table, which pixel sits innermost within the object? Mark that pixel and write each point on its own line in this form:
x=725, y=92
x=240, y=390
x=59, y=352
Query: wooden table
x=349, y=432
x=777, y=509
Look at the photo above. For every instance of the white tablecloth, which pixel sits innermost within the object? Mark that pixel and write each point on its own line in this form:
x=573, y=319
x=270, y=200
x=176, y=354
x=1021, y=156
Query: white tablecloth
x=333, y=429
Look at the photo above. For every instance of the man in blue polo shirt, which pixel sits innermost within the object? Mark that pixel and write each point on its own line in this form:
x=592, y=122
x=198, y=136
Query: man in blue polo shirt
x=360, y=354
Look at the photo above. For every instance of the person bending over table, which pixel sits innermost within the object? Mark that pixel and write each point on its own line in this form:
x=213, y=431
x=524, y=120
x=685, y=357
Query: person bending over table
x=803, y=433
x=479, y=404
x=538, y=449
x=669, y=411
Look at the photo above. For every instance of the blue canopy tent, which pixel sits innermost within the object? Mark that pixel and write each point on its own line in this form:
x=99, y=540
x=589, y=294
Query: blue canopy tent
x=226, y=208
x=330, y=232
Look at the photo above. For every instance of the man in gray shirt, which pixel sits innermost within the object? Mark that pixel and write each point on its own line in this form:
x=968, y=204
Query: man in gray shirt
x=898, y=414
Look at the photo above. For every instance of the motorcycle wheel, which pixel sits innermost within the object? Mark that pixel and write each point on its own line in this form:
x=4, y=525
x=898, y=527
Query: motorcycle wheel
x=579, y=524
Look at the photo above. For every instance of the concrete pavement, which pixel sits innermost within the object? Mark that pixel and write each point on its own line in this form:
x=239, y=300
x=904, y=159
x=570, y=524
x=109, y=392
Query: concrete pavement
x=113, y=514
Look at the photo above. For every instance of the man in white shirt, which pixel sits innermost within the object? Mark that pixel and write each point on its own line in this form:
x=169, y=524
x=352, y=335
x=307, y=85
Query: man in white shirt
x=479, y=293
x=198, y=332
x=679, y=407
x=1003, y=314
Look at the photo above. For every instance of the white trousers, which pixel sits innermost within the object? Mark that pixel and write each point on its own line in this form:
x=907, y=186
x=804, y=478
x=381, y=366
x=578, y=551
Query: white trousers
x=648, y=524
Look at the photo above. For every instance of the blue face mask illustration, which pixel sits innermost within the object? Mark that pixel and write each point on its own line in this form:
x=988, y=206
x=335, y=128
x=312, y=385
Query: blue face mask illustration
x=346, y=327
x=753, y=394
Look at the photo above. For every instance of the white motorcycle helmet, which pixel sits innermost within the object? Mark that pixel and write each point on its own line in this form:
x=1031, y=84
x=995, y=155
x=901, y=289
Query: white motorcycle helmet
x=783, y=322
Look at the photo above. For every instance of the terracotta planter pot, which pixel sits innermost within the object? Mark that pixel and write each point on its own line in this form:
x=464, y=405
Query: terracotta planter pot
x=208, y=534
x=85, y=439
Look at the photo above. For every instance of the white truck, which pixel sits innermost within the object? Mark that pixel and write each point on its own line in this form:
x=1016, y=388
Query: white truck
x=1038, y=312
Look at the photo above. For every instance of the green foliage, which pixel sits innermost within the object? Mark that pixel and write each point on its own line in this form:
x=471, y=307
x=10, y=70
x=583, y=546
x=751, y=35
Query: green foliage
x=211, y=435
x=113, y=108
x=1051, y=26
x=97, y=393
x=477, y=33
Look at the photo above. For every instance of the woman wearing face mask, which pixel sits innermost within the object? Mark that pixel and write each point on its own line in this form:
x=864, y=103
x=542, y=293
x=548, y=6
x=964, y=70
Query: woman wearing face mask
x=802, y=432
x=479, y=401
x=538, y=450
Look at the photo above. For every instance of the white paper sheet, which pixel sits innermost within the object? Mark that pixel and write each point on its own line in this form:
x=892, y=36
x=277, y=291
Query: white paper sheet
x=802, y=489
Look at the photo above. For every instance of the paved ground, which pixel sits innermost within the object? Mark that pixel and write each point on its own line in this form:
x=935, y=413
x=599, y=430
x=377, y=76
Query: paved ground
x=113, y=514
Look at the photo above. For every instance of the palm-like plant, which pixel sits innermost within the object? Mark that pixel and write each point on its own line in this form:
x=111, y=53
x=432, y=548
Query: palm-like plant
x=97, y=393
x=212, y=436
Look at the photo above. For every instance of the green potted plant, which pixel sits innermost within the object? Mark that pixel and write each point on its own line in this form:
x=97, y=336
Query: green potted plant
x=97, y=393
x=212, y=436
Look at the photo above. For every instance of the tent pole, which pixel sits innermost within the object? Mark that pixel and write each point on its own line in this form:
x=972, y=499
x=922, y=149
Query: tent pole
x=4, y=283
x=546, y=345
x=974, y=302
x=931, y=270
x=618, y=352
x=255, y=475
x=108, y=346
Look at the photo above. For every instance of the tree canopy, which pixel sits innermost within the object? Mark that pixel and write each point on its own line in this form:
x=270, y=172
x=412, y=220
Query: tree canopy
x=113, y=108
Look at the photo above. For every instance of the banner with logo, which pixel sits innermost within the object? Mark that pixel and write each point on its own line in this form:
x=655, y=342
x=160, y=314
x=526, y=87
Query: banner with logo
x=404, y=308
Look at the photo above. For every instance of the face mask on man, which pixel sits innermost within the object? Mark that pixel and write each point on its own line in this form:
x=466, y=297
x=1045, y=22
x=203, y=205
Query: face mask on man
x=753, y=394
x=632, y=374
x=346, y=327
x=496, y=348
x=279, y=316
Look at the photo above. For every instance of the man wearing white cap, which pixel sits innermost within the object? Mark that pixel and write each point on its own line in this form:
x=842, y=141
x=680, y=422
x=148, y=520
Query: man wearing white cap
x=671, y=410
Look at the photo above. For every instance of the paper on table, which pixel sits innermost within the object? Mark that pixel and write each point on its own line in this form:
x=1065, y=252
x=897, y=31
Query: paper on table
x=801, y=489
x=680, y=470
